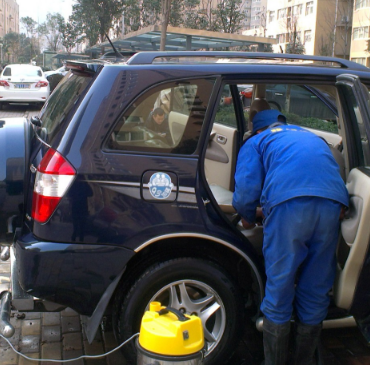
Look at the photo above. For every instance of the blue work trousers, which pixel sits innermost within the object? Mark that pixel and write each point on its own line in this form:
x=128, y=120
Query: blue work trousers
x=300, y=239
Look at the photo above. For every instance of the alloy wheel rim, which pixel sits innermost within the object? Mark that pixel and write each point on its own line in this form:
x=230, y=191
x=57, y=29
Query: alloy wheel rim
x=194, y=297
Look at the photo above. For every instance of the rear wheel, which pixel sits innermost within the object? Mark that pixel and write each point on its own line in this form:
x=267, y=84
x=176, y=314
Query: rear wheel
x=274, y=105
x=193, y=286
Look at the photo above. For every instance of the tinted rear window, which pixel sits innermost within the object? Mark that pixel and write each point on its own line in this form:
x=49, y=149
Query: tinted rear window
x=60, y=106
x=24, y=70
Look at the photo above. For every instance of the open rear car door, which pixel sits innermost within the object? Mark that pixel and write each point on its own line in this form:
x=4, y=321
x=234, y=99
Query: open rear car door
x=352, y=287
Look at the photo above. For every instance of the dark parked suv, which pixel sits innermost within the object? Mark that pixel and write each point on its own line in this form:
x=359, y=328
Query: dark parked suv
x=102, y=213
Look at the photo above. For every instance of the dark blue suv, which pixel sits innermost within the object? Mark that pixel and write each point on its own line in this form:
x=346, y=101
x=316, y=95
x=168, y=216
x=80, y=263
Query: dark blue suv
x=106, y=207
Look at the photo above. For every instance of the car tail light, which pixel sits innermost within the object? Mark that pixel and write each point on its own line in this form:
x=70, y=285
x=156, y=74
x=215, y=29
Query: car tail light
x=4, y=83
x=42, y=84
x=53, y=178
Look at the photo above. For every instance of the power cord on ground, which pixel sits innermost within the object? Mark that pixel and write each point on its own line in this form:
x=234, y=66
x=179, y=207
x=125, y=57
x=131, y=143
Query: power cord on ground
x=77, y=358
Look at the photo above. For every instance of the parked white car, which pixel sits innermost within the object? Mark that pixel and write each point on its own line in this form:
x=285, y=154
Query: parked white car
x=23, y=83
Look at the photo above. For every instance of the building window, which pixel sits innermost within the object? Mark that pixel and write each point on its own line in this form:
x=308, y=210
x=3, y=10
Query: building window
x=271, y=16
x=297, y=9
x=288, y=23
x=281, y=13
x=309, y=7
x=361, y=4
x=361, y=61
x=281, y=38
x=307, y=36
x=361, y=33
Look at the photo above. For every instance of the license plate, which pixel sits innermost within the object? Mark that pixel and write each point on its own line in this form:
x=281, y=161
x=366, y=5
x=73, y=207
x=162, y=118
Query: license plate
x=22, y=86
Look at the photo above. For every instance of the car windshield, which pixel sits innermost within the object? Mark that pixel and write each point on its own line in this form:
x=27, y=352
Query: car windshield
x=61, y=104
x=25, y=71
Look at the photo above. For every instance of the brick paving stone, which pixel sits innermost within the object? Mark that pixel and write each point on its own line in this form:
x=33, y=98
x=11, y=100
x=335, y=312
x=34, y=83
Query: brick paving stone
x=72, y=341
x=8, y=357
x=32, y=315
x=71, y=324
x=23, y=361
x=51, y=351
x=51, y=334
x=4, y=267
x=95, y=348
x=5, y=278
x=51, y=319
x=29, y=344
x=72, y=354
x=31, y=327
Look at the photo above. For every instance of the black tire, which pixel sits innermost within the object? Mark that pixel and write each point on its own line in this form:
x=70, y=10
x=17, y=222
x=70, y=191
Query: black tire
x=274, y=105
x=223, y=329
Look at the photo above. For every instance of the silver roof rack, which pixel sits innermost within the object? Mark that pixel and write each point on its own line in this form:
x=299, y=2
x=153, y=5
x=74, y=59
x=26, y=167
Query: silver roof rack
x=181, y=57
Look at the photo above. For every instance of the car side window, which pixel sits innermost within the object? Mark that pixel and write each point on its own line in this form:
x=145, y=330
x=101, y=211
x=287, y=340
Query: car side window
x=167, y=118
x=225, y=114
x=304, y=105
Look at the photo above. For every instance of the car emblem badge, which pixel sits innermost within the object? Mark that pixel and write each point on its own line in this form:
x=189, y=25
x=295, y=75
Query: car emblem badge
x=160, y=185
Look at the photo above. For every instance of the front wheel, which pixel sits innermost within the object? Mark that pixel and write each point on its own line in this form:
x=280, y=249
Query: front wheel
x=193, y=286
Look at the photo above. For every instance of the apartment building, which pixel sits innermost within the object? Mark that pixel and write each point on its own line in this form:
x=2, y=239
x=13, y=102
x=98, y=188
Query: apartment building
x=360, y=51
x=256, y=10
x=323, y=27
x=9, y=17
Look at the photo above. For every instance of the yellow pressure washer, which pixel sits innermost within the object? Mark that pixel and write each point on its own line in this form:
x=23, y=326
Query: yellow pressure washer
x=168, y=337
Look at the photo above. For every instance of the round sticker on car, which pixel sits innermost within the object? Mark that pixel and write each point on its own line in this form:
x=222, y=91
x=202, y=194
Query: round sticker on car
x=160, y=185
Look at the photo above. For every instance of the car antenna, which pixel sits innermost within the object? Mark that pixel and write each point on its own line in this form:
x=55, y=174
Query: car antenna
x=118, y=54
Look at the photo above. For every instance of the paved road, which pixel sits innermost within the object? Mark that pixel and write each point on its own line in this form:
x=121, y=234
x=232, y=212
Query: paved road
x=59, y=335
x=20, y=110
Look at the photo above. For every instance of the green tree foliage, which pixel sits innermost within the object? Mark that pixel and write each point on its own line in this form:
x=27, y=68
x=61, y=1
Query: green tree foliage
x=141, y=14
x=30, y=26
x=28, y=50
x=295, y=45
x=51, y=31
x=70, y=34
x=95, y=18
x=228, y=16
x=21, y=48
x=29, y=42
x=184, y=13
x=11, y=46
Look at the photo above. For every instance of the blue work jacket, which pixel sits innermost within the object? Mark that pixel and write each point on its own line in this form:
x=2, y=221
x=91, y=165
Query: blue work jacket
x=282, y=163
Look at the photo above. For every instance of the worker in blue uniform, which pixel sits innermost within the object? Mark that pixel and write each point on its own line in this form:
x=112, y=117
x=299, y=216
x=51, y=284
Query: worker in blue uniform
x=291, y=173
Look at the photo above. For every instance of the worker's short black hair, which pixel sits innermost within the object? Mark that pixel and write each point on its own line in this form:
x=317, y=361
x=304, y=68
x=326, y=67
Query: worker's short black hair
x=158, y=111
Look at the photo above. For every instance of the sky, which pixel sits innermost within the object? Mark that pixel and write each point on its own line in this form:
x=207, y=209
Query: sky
x=37, y=9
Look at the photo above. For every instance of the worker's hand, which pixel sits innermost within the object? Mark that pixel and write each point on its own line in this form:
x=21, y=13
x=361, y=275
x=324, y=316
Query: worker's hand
x=247, y=225
x=259, y=213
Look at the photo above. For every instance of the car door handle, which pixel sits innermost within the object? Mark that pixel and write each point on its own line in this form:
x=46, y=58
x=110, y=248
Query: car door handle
x=221, y=139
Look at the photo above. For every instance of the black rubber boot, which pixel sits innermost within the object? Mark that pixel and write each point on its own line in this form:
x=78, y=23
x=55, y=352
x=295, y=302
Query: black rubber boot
x=275, y=342
x=307, y=339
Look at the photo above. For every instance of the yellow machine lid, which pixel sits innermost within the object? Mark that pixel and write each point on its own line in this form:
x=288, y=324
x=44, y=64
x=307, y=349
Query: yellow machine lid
x=166, y=331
